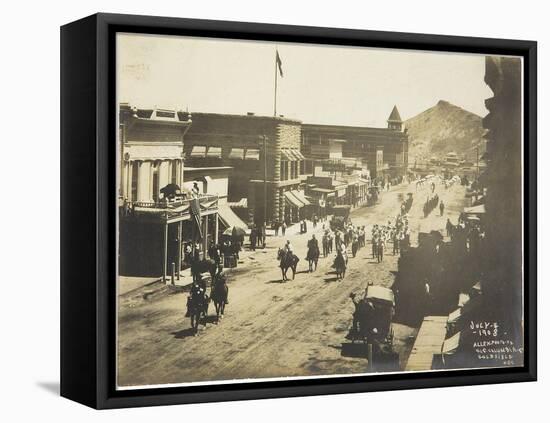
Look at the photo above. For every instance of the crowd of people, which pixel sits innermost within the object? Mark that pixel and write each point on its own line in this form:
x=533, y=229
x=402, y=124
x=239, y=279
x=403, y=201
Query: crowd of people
x=396, y=234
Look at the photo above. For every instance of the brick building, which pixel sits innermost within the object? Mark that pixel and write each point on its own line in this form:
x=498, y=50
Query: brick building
x=239, y=141
x=384, y=151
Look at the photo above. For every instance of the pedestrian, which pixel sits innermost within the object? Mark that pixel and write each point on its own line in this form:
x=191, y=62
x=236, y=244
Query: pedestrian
x=396, y=239
x=380, y=249
x=283, y=227
x=253, y=238
x=441, y=208
x=354, y=246
x=276, y=227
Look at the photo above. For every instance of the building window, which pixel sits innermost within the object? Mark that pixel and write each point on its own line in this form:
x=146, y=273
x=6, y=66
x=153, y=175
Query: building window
x=284, y=170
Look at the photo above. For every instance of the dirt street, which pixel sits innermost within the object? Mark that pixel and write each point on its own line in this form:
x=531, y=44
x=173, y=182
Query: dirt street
x=271, y=329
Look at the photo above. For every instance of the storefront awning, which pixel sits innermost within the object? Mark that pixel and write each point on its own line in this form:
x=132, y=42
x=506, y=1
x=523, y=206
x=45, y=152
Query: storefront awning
x=323, y=190
x=252, y=154
x=241, y=204
x=450, y=346
x=236, y=153
x=286, y=155
x=229, y=218
x=292, y=155
x=214, y=152
x=301, y=196
x=293, y=200
x=298, y=154
x=198, y=151
x=454, y=316
x=475, y=210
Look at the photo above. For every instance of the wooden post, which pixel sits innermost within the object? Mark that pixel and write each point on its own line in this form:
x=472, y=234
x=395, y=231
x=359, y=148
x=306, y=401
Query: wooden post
x=205, y=237
x=173, y=273
x=180, y=243
x=165, y=253
x=216, y=227
x=369, y=357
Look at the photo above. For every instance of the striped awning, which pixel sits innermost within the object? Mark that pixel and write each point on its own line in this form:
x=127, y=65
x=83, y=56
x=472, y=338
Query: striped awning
x=241, y=204
x=299, y=154
x=297, y=198
x=214, y=152
x=285, y=155
x=293, y=200
x=198, y=151
x=301, y=196
x=236, y=153
x=252, y=154
x=291, y=154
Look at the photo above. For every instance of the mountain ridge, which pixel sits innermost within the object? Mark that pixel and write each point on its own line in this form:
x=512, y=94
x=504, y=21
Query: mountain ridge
x=444, y=128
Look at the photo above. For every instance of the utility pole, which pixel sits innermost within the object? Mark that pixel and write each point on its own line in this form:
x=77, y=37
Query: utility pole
x=263, y=140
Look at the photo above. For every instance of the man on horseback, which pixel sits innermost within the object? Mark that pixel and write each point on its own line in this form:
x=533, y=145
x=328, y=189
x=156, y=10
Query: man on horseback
x=220, y=282
x=287, y=259
x=288, y=247
x=220, y=292
x=312, y=252
x=197, y=297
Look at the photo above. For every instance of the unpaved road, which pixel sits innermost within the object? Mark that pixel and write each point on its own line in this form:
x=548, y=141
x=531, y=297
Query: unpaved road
x=271, y=329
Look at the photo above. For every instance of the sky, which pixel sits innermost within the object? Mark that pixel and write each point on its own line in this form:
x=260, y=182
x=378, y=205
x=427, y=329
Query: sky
x=320, y=84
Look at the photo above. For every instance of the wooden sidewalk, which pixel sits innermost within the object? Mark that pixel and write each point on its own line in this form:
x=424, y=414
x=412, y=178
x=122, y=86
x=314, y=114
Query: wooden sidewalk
x=428, y=342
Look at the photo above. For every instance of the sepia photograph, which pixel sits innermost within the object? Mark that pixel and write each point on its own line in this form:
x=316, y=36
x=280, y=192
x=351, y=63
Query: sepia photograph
x=291, y=210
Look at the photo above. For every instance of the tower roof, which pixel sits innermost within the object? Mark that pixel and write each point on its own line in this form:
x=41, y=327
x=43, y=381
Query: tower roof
x=394, y=115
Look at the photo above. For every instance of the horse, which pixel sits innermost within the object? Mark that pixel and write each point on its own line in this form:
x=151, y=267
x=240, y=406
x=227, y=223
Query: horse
x=197, y=307
x=219, y=296
x=312, y=257
x=340, y=266
x=287, y=260
x=198, y=267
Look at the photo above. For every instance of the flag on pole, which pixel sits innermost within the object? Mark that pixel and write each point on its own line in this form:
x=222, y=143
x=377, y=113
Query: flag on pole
x=196, y=214
x=279, y=62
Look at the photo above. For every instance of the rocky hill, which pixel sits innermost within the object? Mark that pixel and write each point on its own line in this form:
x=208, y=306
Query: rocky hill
x=444, y=128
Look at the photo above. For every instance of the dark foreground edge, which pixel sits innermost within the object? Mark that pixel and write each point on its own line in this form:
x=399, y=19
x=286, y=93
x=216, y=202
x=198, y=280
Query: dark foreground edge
x=88, y=205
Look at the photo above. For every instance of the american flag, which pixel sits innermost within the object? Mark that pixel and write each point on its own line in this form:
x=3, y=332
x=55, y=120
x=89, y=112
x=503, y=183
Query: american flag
x=196, y=214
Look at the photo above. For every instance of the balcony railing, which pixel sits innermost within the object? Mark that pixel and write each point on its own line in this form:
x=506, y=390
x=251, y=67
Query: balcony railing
x=178, y=207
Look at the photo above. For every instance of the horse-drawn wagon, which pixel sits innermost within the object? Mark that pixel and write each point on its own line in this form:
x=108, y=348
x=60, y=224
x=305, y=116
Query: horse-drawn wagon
x=372, y=195
x=340, y=217
x=372, y=319
x=372, y=334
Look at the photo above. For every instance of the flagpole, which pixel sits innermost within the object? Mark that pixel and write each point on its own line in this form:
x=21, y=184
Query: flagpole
x=275, y=96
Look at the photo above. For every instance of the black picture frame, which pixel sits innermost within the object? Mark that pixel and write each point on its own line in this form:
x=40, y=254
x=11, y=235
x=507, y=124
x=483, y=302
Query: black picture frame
x=88, y=204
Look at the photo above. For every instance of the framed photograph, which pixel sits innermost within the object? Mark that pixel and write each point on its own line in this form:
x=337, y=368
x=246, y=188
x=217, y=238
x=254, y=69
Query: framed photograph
x=258, y=211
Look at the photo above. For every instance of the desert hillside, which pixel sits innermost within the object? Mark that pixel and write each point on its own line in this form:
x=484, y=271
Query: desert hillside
x=444, y=128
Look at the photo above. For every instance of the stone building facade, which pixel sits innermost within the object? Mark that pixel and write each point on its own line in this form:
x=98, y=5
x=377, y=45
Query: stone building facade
x=252, y=145
x=384, y=151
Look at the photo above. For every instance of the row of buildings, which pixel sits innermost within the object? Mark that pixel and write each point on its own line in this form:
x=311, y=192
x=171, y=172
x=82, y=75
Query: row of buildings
x=247, y=169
